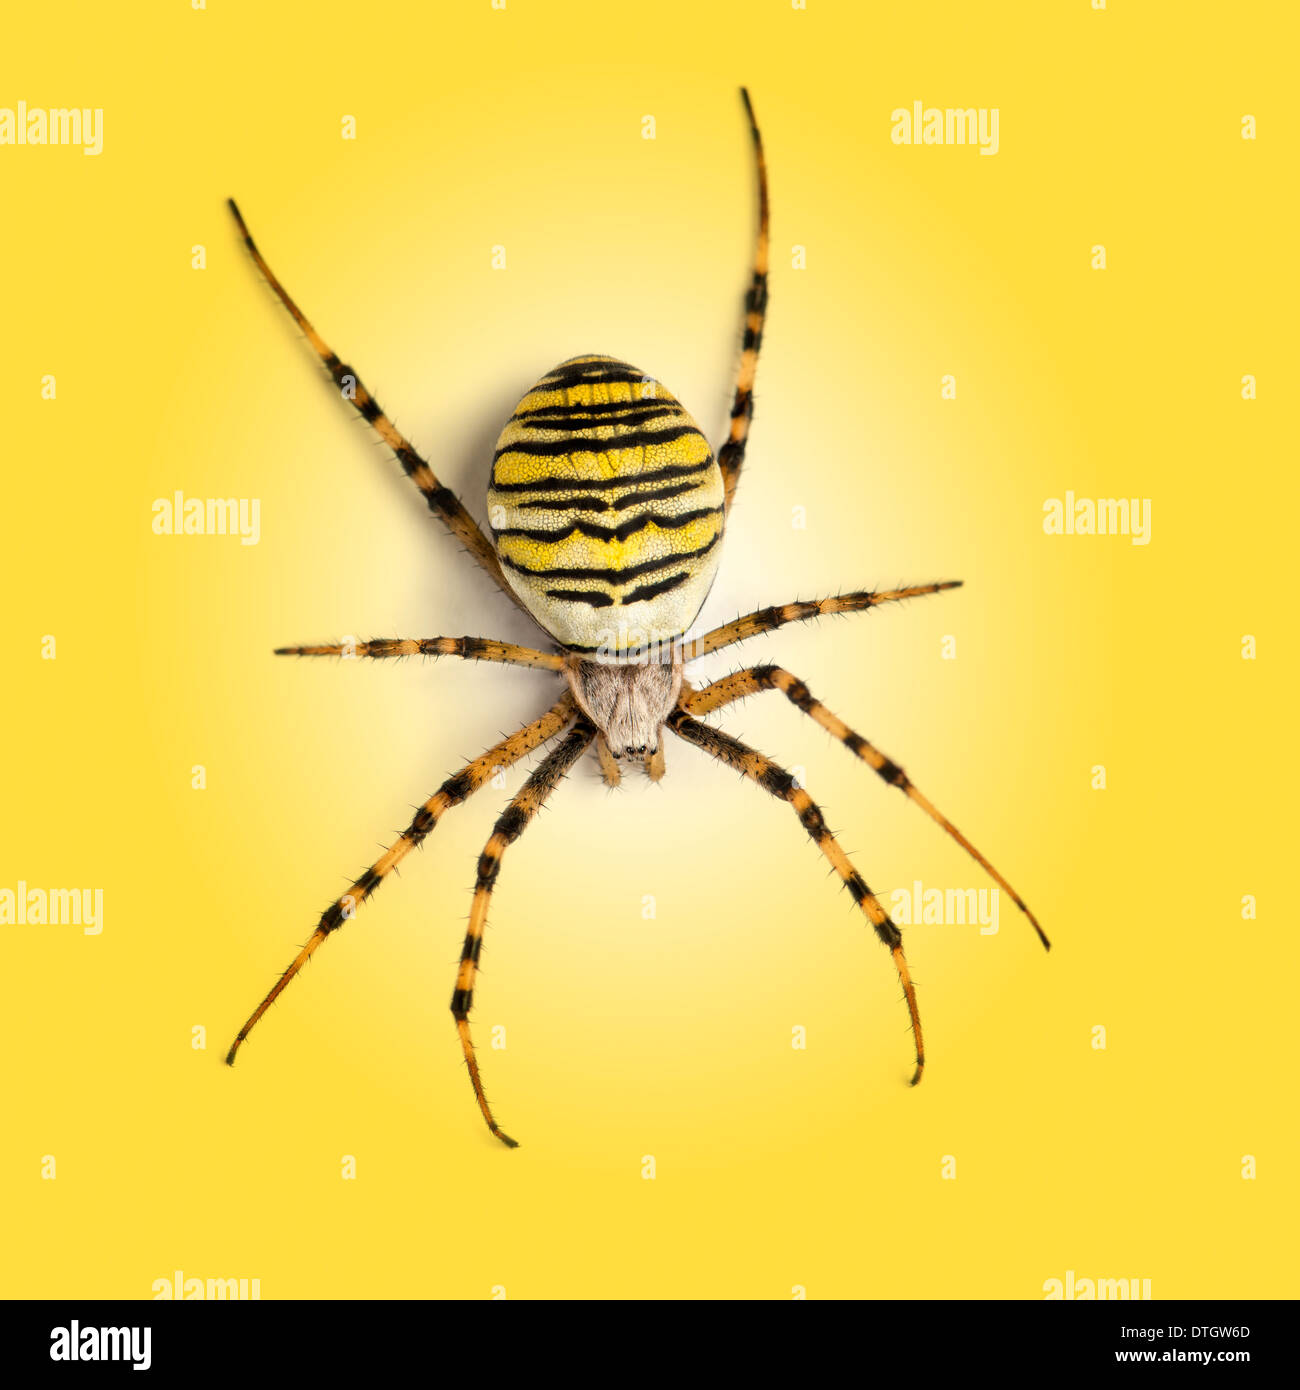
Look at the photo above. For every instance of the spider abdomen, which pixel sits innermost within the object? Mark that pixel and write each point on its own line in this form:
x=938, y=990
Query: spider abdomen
x=606, y=506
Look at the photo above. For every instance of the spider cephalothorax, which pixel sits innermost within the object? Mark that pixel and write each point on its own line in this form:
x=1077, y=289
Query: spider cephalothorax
x=629, y=702
x=607, y=509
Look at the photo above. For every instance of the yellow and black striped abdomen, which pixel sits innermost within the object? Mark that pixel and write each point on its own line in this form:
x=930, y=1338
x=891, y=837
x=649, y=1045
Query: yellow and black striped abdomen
x=606, y=507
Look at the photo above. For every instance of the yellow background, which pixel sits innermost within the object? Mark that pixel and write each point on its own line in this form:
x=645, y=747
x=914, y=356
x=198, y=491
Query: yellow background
x=776, y=1168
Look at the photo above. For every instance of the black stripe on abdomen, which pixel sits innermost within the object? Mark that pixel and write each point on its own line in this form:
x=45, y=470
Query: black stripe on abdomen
x=614, y=533
x=632, y=499
x=554, y=448
x=670, y=472
x=613, y=576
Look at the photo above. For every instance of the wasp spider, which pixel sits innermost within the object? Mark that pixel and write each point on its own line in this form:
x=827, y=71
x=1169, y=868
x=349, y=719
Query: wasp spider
x=606, y=510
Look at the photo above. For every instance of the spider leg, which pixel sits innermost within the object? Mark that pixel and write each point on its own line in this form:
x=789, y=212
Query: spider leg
x=452, y=792
x=732, y=454
x=510, y=825
x=759, y=678
x=776, y=780
x=470, y=648
x=441, y=500
x=655, y=763
x=609, y=768
x=769, y=619
x=613, y=774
